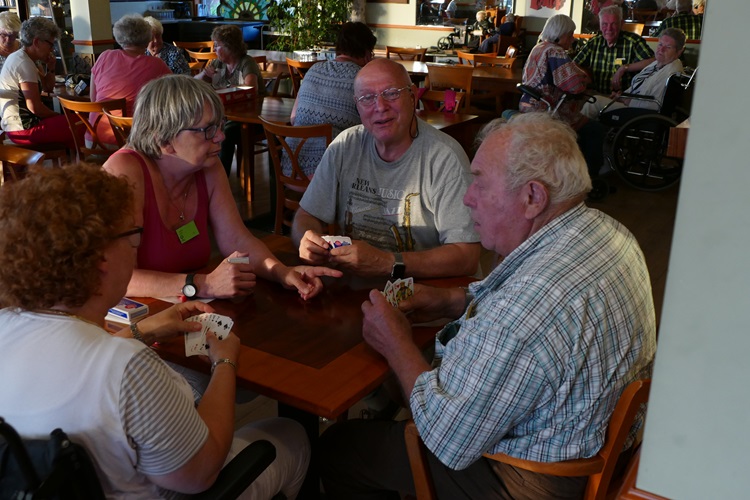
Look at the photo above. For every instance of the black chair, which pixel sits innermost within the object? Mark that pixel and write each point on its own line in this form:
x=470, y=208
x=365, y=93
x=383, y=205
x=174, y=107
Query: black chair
x=59, y=468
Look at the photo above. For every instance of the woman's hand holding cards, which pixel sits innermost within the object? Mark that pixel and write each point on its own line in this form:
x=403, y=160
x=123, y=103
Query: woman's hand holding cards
x=172, y=321
x=229, y=279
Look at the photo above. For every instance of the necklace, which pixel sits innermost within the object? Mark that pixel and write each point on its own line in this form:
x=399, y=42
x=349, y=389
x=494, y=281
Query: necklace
x=184, y=201
x=57, y=312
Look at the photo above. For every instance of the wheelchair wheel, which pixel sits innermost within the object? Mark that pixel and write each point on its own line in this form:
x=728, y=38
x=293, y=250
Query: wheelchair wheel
x=639, y=153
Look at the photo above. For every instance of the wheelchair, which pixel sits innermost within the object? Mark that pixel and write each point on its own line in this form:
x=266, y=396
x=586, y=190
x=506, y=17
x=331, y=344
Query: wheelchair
x=636, y=139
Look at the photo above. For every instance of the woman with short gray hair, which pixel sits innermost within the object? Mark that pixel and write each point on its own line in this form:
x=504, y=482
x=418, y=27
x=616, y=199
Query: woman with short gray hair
x=171, y=55
x=28, y=121
x=120, y=73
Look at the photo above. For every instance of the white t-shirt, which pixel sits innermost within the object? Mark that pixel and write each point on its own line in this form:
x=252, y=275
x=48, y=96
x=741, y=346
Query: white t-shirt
x=18, y=68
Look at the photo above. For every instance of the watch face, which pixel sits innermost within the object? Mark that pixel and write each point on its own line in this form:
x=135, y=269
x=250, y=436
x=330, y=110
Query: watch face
x=189, y=291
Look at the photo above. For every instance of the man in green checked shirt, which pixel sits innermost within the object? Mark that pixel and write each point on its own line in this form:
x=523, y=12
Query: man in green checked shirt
x=613, y=55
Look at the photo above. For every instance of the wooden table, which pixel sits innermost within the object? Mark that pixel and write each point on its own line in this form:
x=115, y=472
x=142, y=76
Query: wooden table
x=308, y=355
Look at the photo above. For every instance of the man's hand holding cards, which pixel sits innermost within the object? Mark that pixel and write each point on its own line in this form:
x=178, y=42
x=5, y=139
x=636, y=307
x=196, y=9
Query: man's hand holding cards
x=195, y=342
x=337, y=241
x=398, y=291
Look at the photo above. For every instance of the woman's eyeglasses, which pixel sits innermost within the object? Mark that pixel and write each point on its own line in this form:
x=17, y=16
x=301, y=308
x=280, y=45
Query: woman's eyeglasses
x=133, y=236
x=388, y=94
x=211, y=130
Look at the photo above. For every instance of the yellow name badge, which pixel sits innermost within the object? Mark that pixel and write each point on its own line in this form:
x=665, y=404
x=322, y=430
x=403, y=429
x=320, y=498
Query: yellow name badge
x=187, y=232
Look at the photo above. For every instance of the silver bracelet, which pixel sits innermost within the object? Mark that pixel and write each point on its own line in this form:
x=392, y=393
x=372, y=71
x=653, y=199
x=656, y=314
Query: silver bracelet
x=137, y=333
x=223, y=361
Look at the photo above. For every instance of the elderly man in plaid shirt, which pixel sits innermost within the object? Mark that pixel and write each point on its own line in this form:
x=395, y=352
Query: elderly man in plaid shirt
x=613, y=54
x=539, y=351
x=686, y=18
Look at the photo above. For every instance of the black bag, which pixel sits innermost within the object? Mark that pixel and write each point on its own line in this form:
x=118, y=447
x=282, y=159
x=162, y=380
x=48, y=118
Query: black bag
x=45, y=469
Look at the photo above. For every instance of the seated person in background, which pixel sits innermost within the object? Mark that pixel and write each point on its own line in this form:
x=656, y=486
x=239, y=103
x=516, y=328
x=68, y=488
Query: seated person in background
x=10, y=25
x=651, y=81
x=232, y=68
x=612, y=47
x=26, y=119
x=687, y=18
x=111, y=393
x=550, y=70
x=172, y=56
x=326, y=94
x=480, y=28
x=120, y=73
x=450, y=10
x=539, y=351
x=171, y=160
x=394, y=185
x=505, y=29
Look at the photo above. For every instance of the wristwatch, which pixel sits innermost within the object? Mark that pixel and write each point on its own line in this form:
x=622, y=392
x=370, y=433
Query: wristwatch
x=189, y=290
x=399, y=269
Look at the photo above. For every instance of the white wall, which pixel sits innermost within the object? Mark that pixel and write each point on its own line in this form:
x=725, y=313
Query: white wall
x=697, y=441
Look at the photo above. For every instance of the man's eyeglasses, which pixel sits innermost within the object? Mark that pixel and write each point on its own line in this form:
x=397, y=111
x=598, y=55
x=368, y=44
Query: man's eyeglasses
x=211, y=130
x=388, y=94
x=133, y=236
x=51, y=44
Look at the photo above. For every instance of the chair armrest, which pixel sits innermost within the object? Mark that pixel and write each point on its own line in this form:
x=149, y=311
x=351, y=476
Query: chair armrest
x=242, y=470
x=578, y=467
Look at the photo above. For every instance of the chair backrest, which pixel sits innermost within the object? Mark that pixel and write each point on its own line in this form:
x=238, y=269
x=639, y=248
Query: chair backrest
x=458, y=78
x=77, y=114
x=297, y=70
x=199, y=59
x=636, y=28
x=16, y=161
x=511, y=51
x=466, y=58
x=406, y=54
x=599, y=468
x=437, y=100
x=207, y=46
x=490, y=60
x=121, y=126
x=289, y=188
x=645, y=14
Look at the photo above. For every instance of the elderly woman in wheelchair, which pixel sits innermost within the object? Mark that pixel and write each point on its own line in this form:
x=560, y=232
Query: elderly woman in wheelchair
x=648, y=87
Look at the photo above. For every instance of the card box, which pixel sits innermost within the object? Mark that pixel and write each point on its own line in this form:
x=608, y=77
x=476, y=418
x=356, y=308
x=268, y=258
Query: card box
x=127, y=311
x=236, y=94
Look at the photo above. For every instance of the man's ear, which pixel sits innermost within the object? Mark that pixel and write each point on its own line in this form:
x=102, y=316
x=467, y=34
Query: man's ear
x=536, y=198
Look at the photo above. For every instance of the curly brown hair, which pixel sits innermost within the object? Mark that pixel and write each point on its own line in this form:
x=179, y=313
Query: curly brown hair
x=230, y=36
x=54, y=228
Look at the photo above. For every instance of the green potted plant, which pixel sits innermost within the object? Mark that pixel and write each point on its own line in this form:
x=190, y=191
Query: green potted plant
x=306, y=23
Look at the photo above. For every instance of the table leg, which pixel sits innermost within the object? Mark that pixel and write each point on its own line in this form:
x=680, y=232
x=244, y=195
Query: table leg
x=248, y=161
x=311, y=486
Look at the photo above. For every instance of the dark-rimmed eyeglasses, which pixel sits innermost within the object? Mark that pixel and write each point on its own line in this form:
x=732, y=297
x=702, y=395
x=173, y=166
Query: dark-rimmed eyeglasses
x=133, y=236
x=388, y=94
x=211, y=130
x=51, y=44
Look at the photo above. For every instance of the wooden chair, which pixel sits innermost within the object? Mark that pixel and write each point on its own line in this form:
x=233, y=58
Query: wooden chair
x=435, y=100
x=198, y=60
x=406, y=54
x=269, y=76
x=599, y=468
x=77, y=114
x=297, y=70
x=15, y=161
x=636, y=28
x=645, y=14
x=490, y=60
x=458, y=78
x=121, y=126
x=195, y=66
x=289, y=189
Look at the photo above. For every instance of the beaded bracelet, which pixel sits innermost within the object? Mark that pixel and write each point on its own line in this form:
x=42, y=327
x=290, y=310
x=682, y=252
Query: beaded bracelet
x=137, y=333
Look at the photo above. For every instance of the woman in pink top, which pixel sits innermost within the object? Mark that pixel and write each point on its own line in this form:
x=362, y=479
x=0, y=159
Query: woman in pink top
x=172, y=161
x=122, y=72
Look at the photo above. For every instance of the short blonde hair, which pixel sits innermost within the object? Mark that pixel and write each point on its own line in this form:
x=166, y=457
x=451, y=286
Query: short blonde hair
x=166, y=106
x=9, y=21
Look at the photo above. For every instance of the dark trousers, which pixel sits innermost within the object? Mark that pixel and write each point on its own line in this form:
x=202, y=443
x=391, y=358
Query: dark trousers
x=232, y=138
x=366, y=459
x=591, y=142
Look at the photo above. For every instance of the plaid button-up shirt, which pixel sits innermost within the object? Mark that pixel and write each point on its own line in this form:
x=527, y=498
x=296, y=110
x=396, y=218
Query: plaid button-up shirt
x=601, y=58
x=689, y=23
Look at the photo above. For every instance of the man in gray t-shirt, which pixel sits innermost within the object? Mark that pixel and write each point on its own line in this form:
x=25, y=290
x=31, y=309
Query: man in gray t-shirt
x=395, y=185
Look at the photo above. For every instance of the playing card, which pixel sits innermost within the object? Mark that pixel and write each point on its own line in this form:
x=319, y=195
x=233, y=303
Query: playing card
x=338, y=241
x=388, y=293
x=403, y=289
x=195, y=342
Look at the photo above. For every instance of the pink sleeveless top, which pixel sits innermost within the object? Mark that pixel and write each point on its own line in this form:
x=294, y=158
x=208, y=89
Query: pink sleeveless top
x=160, y=248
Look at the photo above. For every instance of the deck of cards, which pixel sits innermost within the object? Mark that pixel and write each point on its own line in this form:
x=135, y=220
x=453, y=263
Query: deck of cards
x=195, y=342
x=398, y=291
x=127, y=311
x=338, y=241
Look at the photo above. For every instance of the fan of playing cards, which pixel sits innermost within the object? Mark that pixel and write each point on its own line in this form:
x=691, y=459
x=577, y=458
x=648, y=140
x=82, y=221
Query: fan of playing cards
x=398, y=291
x=195, y=342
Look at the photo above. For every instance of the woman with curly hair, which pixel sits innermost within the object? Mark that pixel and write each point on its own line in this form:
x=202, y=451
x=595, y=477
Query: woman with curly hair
x=67, y=249
x=231, y=68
